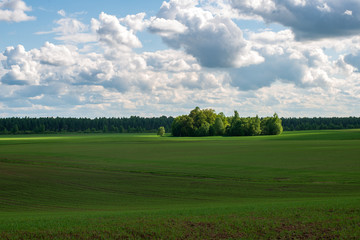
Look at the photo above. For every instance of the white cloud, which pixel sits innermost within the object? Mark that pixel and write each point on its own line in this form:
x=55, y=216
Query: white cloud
x=166, y=27
x=266, y=6
x=57, y=55
x=270, y=37
x=112, y=33
x=68, y=26
x=14, y=11
x=215, y=41
x=221, y=8
x=62, y=13
x=21, y=69
x=71, y=30
x=348, y=12
x=308, y=19
x=324, y=8
x=299, y=3
x=171, y=61
x=135, y=22
x=196, y=81
x=304, y=64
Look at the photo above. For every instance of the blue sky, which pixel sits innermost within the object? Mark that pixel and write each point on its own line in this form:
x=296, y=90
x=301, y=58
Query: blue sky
x=151, y=58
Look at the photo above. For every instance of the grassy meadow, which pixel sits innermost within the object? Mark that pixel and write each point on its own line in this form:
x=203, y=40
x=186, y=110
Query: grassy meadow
x=298, y=185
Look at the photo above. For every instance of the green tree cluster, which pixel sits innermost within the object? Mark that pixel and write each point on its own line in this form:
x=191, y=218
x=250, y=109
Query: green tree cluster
x=207, y=123
x=161, y=131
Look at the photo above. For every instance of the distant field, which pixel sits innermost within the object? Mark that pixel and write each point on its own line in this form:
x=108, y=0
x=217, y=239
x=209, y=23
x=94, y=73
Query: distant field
x=300, y=185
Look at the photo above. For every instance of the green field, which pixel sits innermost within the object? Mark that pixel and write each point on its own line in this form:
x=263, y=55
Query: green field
x=299, y=185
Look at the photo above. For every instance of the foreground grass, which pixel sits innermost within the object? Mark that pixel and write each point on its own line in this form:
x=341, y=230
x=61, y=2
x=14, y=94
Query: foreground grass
x=298, y=185
x=279, y=221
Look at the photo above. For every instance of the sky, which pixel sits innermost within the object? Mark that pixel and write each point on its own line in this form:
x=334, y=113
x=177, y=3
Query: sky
x=110, y=58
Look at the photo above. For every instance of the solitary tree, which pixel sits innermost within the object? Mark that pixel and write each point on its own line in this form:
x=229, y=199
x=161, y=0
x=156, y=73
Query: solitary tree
x=161, y=131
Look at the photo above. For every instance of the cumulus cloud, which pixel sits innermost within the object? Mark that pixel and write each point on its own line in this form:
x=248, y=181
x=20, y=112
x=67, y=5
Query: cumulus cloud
x=287, y=61
x=112, y=33
x=57, y=55
x=14, y=11
x=308, y=19
x=215, y=41
x=135, y=22
x=21, y=69
x=65, y=63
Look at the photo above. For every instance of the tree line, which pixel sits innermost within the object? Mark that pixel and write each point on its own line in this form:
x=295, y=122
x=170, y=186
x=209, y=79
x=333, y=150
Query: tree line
x=320, y=123
x=191, y=125
x=132, y=124
x=207, y=123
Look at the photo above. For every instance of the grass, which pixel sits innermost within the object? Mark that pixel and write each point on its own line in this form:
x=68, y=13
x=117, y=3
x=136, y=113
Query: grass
x=300, y=185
